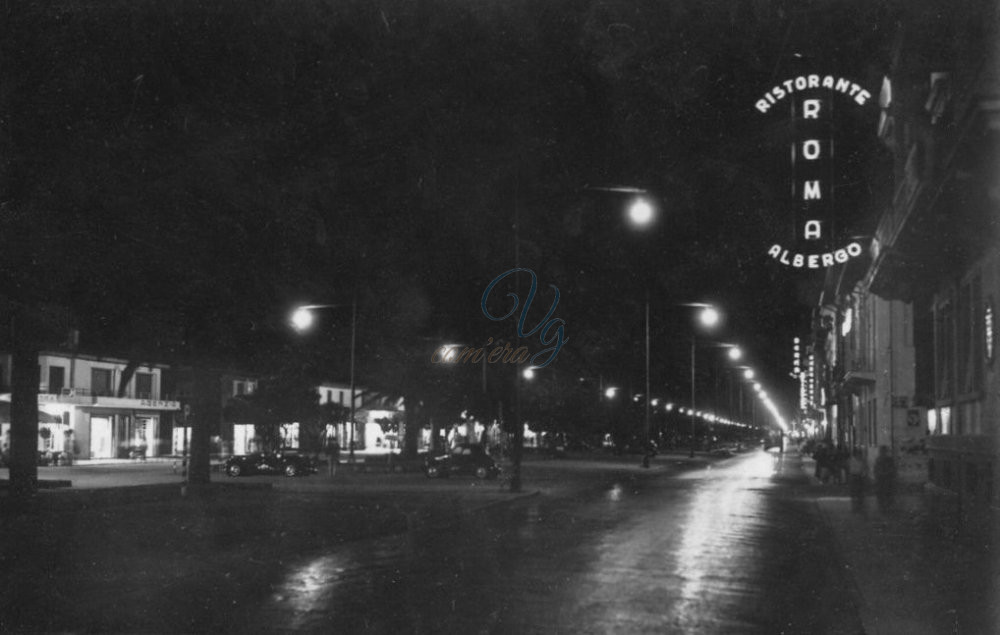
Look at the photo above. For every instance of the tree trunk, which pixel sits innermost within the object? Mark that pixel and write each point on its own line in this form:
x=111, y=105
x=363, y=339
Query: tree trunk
x=517, y=442
x=411, y=427
x=23, y=413
x=127, y=373
x=205, y=411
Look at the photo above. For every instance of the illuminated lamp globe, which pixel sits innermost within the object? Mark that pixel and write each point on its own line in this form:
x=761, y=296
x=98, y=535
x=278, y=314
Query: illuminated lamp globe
x=641, y=212
x=302, y=319
x=709, y=316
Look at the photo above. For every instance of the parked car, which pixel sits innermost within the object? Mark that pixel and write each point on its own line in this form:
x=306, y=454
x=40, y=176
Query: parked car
x=462, y=459
x=638, y=446
x=287, y=463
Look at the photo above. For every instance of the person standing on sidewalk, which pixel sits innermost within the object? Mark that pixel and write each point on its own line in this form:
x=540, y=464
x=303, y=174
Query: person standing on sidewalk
x=885, y=479
x=857, y=474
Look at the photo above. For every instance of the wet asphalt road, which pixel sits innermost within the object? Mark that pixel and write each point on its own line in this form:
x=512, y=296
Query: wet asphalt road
x=727, y=548
x=723, y=546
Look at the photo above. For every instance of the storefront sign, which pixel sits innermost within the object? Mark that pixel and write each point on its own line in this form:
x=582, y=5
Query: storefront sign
x=811, y=101
x=159, y=404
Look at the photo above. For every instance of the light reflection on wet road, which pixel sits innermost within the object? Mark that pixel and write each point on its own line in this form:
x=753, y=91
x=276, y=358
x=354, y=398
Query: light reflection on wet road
x=674, y=553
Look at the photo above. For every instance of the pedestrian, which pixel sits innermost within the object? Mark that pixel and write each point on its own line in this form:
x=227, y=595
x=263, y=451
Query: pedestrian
x=822, y=457
x=857, y=474
x=332, y=455
x=885, y=479
x=840, y=458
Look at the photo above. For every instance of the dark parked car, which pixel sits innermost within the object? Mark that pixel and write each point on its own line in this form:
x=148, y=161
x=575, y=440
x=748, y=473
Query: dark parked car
x=462, y=459
x=286, y=463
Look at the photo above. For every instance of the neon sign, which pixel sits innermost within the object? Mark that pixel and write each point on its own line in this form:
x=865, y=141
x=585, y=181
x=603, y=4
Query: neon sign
x=989, y=331
x=810, y=99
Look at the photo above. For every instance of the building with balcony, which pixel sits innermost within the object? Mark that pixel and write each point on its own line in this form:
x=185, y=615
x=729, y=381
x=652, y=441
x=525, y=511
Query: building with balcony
x=98, y=407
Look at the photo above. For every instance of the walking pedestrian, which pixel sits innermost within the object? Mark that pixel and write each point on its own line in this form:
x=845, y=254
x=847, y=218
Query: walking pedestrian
x=885, y=479
x=857, y=474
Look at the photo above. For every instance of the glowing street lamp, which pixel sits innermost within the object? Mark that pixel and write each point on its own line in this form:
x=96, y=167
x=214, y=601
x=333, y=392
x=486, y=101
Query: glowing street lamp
x=709, y=317
x=641, y=212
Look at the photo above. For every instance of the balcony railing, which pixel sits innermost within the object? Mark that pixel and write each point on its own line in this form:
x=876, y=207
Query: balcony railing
x=88, y=392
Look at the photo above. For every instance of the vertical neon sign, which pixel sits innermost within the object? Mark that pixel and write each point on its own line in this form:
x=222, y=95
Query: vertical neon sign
x=812, y=166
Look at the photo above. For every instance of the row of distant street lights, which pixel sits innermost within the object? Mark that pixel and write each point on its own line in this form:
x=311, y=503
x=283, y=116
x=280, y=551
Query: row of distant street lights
x=641, y=214
x=708, y=317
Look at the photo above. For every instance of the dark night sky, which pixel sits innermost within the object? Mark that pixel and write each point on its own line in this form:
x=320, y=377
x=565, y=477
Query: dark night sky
x=220, y=161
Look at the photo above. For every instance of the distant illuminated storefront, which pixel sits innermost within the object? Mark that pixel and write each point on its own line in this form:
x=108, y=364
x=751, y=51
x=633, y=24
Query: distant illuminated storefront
x=89, y=427
x=96, y=407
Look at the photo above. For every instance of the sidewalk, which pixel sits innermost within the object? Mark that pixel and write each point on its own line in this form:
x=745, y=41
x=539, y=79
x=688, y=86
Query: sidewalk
x=910, y=579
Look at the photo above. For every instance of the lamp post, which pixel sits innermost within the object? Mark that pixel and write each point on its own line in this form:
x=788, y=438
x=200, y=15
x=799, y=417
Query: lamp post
x=708, y=317
x=302, y=319
x=641, y=215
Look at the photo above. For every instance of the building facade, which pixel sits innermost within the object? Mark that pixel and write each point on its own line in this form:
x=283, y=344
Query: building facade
x=98, y=407
x=909, y=335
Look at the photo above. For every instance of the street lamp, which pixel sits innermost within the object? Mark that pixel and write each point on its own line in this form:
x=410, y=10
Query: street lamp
x=708, y=317
x=302, y=320
x=642, y=214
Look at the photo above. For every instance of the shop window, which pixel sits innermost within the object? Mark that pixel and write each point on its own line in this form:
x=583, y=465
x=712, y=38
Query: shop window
x=945, y=420
x=290, y=435
x=241, y=387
